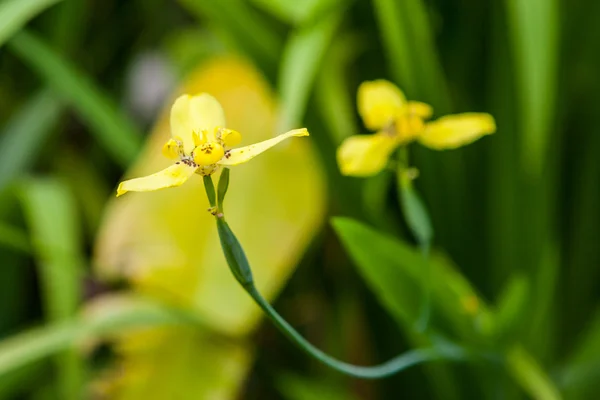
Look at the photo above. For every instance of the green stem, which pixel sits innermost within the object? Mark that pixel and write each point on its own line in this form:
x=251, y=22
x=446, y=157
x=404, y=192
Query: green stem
x=390, y=367
x=240, y=268
x=419, y=223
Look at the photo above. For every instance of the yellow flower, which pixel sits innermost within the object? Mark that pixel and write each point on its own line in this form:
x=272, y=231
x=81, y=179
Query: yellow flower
x=384, y=108
x=200, y=145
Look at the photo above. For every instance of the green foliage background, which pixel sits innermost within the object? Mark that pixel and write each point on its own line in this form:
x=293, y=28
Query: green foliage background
x=517, y=212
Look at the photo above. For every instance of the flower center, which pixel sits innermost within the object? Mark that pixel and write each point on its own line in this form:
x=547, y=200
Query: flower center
x=208, y=153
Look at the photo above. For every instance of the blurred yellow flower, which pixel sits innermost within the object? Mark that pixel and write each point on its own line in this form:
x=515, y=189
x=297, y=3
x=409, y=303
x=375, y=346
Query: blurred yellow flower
x=384, y=108
x=200, y=144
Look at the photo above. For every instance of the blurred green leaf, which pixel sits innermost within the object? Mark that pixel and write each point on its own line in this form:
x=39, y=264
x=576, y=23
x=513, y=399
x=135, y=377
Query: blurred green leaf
x=70, y=20
x=534, y=30
x=241, y=27
x=335, y=99
x=14, y=238
x=299, y=11
x=409, y=41
x=512, y=305
x=52, y=216
x=301, y=60
x=38, y=343
x=24, y=135
x=393, y=270
x=388, y=266
x=530, y=375
x=14, y=14
x=580, y=376
x=113, y=130
x=18, y=381
x=89, y=187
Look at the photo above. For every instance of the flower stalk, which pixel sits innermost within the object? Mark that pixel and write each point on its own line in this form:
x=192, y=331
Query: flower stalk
x=419, y=223
x=240, y=268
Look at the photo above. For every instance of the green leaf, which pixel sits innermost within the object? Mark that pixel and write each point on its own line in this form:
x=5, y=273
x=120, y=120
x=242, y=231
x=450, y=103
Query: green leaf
x=389, y=267
x=336, y=101
x=302, y=57
x=530, y=375
x=296, y=12
x=25, y=133
x=534, y=31
x=408, y=38
x=113, y=131
x=39, y=343
x=580, y=377
x=51, y=213
x=393, y=271
x=14, y=14
x=241, y=27
x=416, y=214
x=512, y=306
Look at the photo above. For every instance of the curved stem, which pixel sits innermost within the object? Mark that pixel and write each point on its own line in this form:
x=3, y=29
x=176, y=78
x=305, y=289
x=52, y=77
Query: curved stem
x=240, y=268
x=390, y=367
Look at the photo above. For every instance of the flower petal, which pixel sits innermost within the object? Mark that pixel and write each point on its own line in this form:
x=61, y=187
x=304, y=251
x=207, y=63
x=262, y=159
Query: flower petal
x=365, y=155
x=379, y=102
x=418, y=109
x=191, y=114
x=175, y=175
x=207, y=114
x=457, y=130
x=246, y=153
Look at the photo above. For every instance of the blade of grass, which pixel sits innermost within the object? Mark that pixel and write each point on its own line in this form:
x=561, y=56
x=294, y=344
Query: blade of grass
x=530, y=375
x=24, y=135
x=51, y=214
x=534, y=29
x=533, y=26
x=408, y=37
x=14, y=14
x=336, y=101
x=296, y=12
x=40, y=343
x=113, y=130
x=70, y=20
x=302, y=57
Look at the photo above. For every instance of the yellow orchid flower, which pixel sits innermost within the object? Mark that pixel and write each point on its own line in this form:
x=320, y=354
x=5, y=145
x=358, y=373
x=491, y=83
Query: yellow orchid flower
x=384, y=108
x=200, y=144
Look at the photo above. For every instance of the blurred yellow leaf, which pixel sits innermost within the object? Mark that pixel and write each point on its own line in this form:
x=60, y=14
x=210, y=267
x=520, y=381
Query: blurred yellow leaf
x=165, y=243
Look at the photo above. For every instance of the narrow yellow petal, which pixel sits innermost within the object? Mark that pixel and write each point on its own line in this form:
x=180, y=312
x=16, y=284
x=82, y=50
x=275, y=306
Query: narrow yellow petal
x=191, y=114
x=418, y=109
x=365, y=155
x=246, y=153
x=379, y=102
x=175, y=175
x=457, y=130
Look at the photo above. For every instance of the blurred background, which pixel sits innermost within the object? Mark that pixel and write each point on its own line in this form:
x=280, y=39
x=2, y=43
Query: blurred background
x=131, y=298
